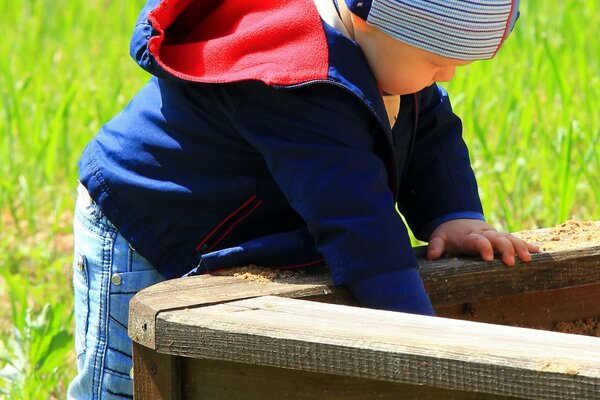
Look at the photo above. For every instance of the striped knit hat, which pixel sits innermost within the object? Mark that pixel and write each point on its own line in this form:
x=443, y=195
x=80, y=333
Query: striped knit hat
x=460, y=29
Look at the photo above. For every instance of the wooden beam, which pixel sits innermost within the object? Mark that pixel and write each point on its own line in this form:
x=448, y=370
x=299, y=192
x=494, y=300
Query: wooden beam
x=449, y=282
x=541, y=310
x=156, y=376
x=200, y=291
x=224, y=380
x=462, y=280
x=387, y=346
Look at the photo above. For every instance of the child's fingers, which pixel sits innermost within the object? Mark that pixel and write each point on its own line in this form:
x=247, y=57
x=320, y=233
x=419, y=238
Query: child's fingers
x=478, y=243
x=502, y=243
x=484, y=243
x=533, y=248
x=508, y=245
x=436, y=248
x=520, y=247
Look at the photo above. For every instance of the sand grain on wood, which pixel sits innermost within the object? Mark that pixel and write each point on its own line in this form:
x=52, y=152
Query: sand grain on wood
x=589, y=327
x=564, y=236
x=254, y=273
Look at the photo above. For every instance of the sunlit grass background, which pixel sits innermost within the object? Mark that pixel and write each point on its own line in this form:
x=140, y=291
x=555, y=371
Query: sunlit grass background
x=531, y=116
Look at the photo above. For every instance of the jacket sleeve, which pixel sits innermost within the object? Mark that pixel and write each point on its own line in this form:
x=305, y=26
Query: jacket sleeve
x=317, y=143
x=438, y=183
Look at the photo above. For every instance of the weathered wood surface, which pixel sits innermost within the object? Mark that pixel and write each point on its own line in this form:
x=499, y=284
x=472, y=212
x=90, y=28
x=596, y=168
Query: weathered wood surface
x=199, y=291
x=461, y=280
x=541, y=310
x=450, y=283
x=157, y=376
x=387, y=346
x=211, y=379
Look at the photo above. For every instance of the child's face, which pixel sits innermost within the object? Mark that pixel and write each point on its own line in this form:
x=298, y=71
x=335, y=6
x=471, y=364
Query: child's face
x=400, y=68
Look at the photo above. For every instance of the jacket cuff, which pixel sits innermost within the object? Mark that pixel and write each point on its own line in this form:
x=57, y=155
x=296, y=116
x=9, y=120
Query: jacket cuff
x=430, y=227
x=401, y=290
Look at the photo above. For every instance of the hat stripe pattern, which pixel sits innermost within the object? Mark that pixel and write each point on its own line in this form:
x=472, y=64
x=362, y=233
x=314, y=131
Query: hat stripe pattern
x=460, y=29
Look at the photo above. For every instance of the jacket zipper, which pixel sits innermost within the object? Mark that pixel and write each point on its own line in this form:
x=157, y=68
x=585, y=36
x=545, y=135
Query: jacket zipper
x=413, y=135
x=220, y=232
x=391, y=168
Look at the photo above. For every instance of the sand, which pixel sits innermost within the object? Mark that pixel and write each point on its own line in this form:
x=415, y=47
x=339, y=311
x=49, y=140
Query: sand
x=564, y=236
x=254, y=273
x=588, y=327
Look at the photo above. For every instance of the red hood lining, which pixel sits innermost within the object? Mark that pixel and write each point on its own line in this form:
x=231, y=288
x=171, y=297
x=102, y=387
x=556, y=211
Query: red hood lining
x=276, y=41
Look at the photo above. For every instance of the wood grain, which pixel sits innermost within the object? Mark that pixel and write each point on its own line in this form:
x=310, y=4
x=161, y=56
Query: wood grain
x=449, y=282
x=461, y=280
x=211, y=345
x=212, y=379
x=156, y=376
x=387, y=346
x=199, y=291
x=541, y=310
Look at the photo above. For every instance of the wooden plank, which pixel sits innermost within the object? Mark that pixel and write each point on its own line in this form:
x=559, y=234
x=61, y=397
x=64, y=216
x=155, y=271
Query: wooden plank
x=387, y=346
x=462, y=280
x=213, y=379
x=448, y=282
x=542, y=310
x=156, y=376
x=199, y=291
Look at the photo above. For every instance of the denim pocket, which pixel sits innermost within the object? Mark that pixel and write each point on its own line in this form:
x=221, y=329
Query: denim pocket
x=81, y=293
x=123, y=286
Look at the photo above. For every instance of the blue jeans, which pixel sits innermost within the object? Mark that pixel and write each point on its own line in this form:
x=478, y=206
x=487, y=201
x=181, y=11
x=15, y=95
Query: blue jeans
x=107, y=273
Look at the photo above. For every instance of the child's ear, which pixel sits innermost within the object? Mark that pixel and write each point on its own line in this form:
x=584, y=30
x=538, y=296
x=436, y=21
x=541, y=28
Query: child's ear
x=360, y=24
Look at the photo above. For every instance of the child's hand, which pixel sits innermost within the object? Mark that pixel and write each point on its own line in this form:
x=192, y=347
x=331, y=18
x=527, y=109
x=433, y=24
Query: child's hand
x=471, y=236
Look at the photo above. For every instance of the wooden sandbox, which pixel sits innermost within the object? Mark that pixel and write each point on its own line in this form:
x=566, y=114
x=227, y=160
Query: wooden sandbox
x=267, y=335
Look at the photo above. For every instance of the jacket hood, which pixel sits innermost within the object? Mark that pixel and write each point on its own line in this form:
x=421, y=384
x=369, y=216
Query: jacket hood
x=279, y=42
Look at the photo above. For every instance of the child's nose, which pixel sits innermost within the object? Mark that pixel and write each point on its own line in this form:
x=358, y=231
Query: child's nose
x=445, y=74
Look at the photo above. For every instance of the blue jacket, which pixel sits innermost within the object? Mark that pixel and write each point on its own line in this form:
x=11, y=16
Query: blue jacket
x=262, y=138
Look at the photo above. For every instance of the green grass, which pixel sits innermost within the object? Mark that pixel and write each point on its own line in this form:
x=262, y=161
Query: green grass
x=531, y=119
x=65, y=70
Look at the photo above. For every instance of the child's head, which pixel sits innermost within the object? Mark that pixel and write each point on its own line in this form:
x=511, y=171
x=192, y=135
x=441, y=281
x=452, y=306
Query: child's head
x=410, y=44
